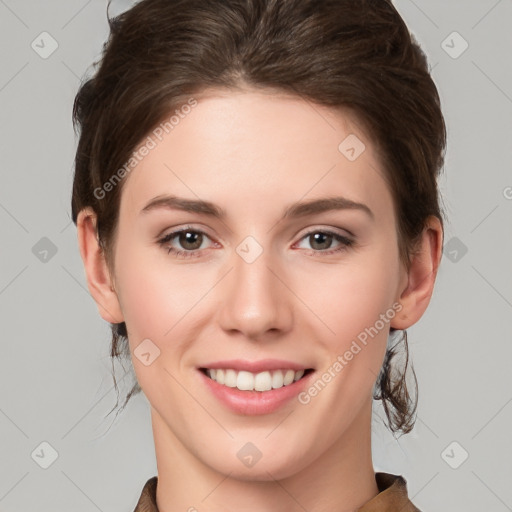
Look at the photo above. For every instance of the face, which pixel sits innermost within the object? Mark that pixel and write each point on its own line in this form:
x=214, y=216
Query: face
x=265, y=280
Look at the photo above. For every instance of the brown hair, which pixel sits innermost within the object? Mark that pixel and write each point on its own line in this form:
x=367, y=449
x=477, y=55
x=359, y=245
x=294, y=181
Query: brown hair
x=351, y=54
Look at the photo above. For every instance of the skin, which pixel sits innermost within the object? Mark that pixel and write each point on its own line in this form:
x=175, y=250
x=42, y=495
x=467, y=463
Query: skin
x=254, y=154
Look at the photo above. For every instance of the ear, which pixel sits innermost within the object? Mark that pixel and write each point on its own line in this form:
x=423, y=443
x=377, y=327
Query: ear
x=99, y=281
x=418, y=283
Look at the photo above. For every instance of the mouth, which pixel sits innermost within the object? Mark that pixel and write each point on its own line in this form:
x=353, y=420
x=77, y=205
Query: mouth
x=261, y=381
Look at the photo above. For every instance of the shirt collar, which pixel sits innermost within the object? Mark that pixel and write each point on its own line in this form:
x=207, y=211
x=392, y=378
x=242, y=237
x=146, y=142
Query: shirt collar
x=392, y=496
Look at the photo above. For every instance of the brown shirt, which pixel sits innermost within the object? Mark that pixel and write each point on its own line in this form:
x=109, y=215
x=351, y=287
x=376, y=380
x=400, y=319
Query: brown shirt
x=392, y=496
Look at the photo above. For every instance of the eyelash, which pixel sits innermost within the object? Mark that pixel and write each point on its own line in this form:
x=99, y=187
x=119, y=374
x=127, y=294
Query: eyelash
x=345, y=242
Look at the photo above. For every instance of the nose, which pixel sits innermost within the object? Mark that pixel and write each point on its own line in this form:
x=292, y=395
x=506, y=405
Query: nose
x=255, y=300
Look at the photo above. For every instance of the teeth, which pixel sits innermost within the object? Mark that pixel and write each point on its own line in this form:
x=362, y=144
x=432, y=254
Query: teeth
x=247, y=381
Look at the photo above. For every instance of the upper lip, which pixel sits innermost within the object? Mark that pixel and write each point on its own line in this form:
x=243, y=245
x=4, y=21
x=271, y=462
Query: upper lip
x=256, y=366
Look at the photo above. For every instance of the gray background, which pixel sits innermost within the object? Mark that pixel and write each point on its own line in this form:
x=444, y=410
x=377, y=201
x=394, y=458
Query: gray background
x=54, y=365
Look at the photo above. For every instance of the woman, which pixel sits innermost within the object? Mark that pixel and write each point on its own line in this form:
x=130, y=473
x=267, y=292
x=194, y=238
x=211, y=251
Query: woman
x=258, y=216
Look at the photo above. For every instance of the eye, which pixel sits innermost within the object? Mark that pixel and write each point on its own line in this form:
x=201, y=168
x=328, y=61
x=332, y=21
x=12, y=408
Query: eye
x=191, y=240
x=321, y=241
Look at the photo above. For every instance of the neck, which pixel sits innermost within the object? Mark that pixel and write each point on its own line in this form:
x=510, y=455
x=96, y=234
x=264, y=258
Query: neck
x=342, y=478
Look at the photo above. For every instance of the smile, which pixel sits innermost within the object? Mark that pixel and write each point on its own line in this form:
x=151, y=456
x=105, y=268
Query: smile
x=248, y=381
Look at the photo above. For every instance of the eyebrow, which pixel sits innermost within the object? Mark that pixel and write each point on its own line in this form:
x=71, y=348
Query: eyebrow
x=300, y=209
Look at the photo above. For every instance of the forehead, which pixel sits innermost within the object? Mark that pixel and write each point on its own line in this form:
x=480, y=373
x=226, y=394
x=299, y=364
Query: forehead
x=245, y=120
x=257, y=143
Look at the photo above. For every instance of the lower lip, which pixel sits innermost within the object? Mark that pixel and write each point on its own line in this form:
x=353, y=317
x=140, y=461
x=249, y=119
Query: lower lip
x=255, y=402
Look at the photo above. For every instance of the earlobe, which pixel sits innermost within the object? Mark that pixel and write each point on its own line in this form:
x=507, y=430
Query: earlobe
x=97, y=273
x=419, y=285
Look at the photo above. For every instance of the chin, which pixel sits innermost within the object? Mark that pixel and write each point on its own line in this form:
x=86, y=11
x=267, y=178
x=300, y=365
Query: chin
x=263, y=470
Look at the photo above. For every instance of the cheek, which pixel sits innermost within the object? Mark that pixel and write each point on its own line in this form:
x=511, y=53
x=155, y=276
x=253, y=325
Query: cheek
x=155, y=295
x=351, y=298
x=158, y=300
